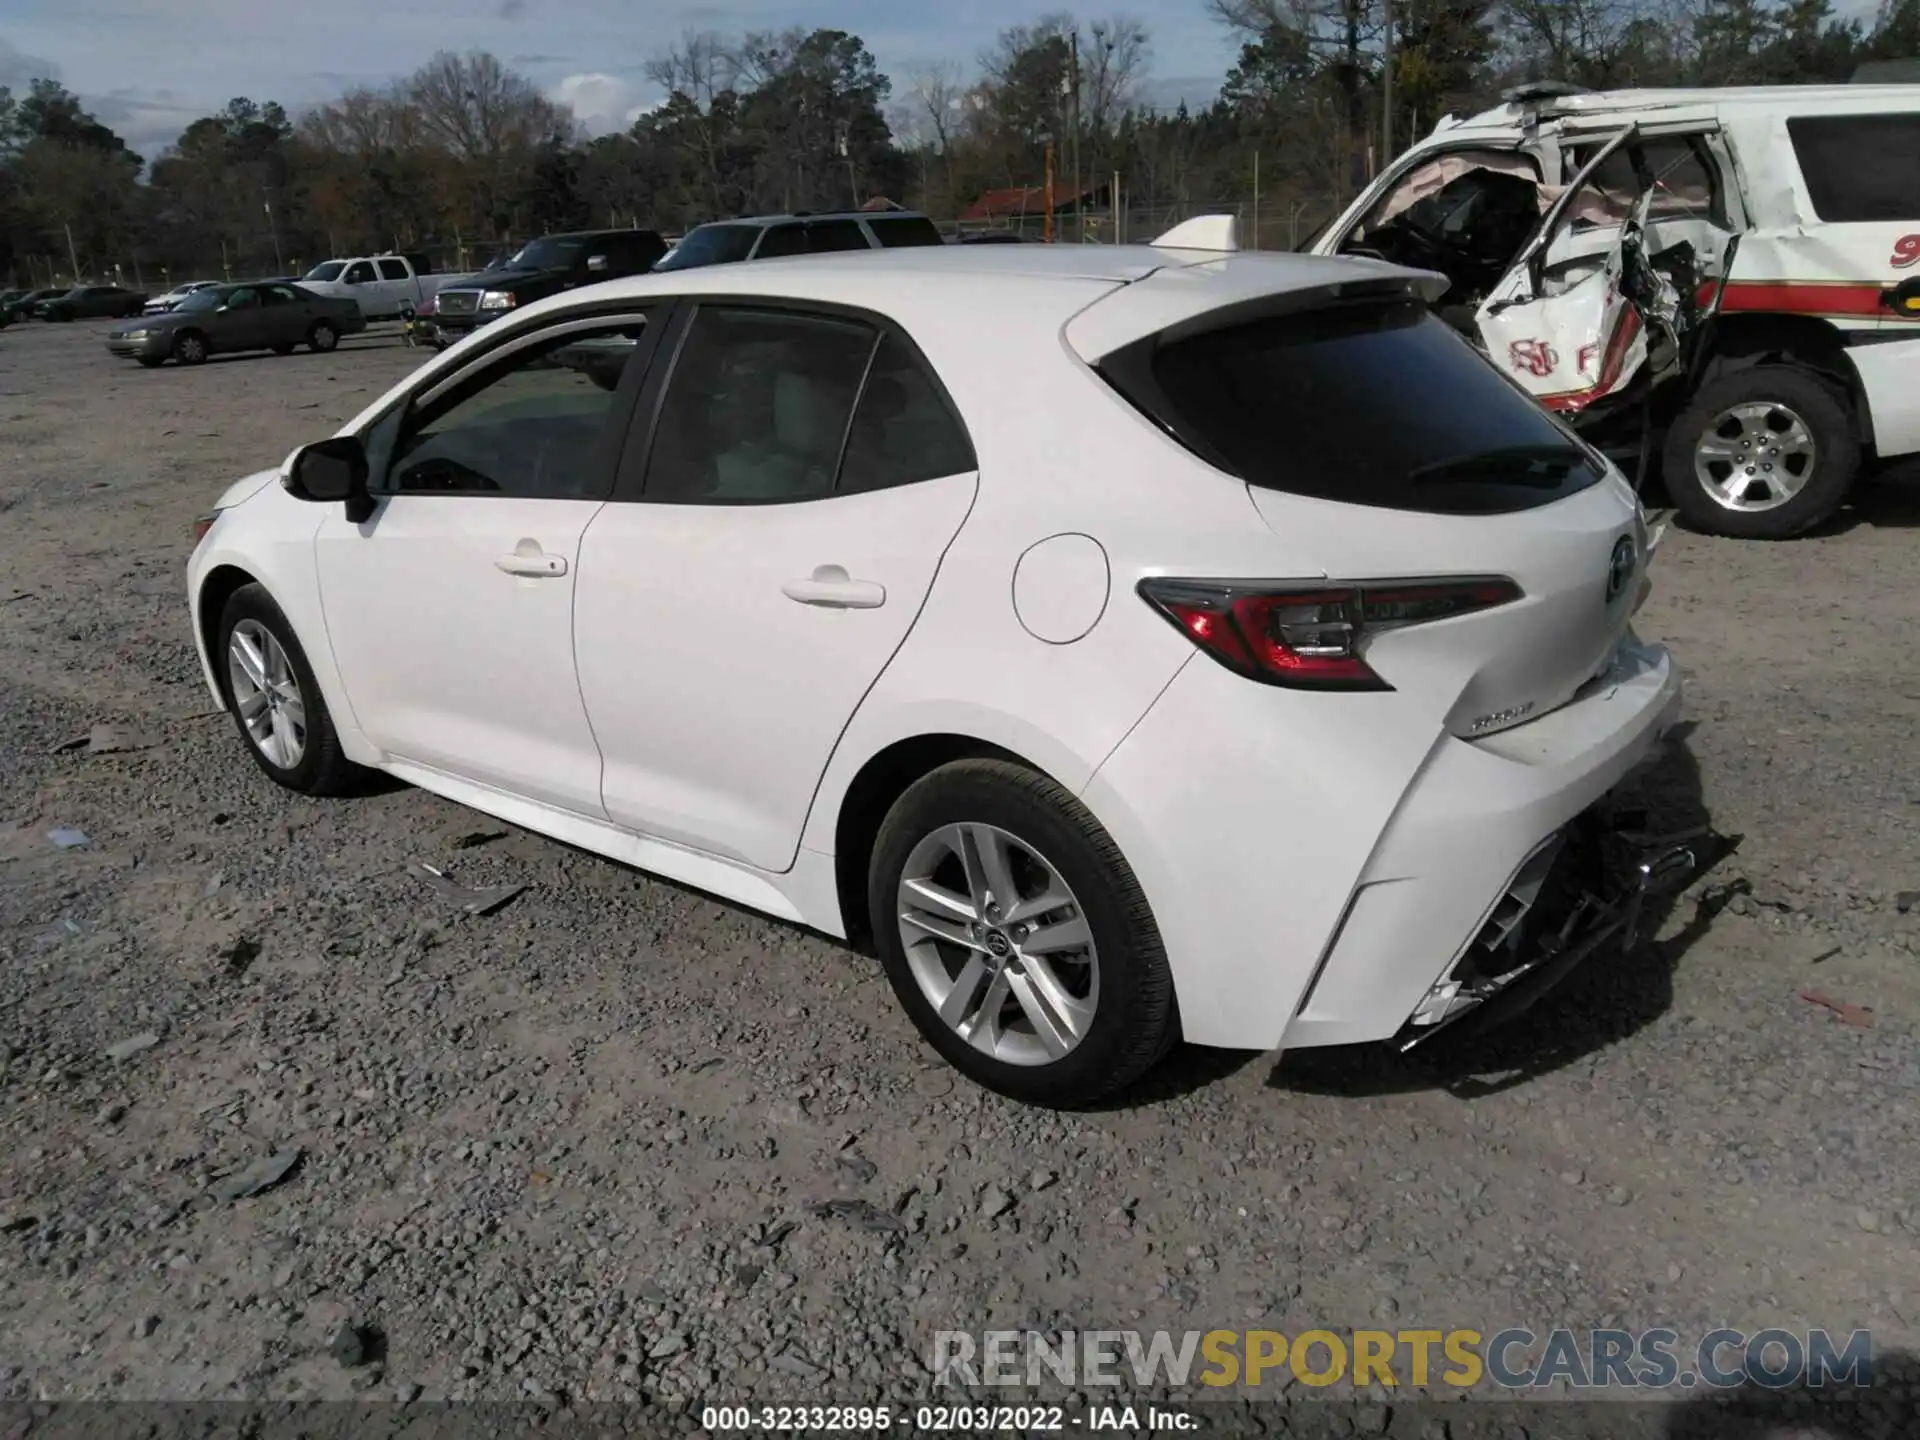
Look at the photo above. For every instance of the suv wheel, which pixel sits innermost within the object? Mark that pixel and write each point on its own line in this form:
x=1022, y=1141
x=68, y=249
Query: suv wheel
x=1017, y=938
x=1765, y=453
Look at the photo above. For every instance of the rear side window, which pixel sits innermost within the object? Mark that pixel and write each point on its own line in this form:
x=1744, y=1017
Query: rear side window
x=757, y=407
x=902, y=431
x=824, y=235
x=895, y=231
x=1375, y=404
x=392, y=269
x=1859, y=167
x=782, y=240
x=1686, y=181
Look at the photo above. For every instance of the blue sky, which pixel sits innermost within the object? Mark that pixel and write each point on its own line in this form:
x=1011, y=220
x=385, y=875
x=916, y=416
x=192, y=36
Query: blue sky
x=147, y=67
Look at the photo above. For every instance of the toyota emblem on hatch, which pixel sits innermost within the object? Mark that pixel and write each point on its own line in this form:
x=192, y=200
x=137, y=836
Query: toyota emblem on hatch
x=1620, y=567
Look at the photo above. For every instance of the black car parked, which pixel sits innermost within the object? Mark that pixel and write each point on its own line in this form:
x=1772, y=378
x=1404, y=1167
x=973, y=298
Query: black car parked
x=545, y=267
x=21, y=306
x=93, y=302
x=763, y=237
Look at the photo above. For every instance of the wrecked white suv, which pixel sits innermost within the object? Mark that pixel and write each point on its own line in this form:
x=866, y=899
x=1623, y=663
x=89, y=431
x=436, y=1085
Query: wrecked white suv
x=1722, y=282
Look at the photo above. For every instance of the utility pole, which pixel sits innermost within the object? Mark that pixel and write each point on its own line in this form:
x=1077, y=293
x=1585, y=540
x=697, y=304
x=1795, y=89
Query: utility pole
x=279, y=262
x=1256, y=199
x=1386, y=88
x=1074, y=79
x=73, y=256
x=1046, y=201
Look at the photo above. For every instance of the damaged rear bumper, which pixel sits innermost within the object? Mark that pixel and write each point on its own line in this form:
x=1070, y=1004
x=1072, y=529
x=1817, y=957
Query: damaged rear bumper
x=1583, y=891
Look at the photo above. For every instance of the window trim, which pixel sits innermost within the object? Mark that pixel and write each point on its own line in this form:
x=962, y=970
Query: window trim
x=658, y=317
x=644, y=420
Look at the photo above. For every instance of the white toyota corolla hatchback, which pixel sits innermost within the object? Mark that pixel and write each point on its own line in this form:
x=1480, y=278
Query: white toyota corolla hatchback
x=1130, y=643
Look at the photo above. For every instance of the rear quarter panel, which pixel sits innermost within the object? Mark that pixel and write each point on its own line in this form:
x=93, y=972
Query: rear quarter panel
x=1061, y=453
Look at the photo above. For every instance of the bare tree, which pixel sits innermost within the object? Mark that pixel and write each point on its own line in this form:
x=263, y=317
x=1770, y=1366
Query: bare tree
x=700, y=67
x=938, y=103
x=479, y=110
x=1573, y=38
x=1113, y=57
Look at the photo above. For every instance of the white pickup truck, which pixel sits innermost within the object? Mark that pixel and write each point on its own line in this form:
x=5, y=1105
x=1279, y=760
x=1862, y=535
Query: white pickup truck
x=382, y=285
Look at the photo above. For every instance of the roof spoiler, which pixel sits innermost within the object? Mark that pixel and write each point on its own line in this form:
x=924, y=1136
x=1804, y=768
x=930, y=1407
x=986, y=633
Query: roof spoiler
x=1203, y=232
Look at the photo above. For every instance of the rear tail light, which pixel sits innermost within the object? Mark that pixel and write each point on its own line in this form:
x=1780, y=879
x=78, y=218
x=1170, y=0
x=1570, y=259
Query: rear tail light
x=1309, y=637
x=202, y=525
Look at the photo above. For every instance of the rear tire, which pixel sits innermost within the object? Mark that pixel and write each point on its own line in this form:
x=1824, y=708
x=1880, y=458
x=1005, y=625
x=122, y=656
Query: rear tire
x=1096, y=948
x=275, y=701
x=1718, y=450
x=322, y=337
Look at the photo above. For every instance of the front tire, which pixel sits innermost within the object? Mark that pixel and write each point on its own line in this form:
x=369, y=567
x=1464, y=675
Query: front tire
x=282, y=349
x=151, y=362
x=190, y=348
x=1765, y=453
x=322, y=337
x=1016, y=937
x=275, y=700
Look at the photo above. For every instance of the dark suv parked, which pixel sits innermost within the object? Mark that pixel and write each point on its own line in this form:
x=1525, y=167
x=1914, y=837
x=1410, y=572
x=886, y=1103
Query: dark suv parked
x=93, y=302
x=544, y=267
x=721, y=242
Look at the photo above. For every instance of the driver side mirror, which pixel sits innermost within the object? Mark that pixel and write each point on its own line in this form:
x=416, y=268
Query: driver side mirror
x=596, y=264
x=331, y=470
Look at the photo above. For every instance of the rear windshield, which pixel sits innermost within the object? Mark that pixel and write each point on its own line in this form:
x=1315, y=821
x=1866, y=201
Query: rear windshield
x=1373, y=404
x=1859, y=167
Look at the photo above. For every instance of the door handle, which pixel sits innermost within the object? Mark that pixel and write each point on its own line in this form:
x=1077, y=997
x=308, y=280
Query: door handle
x=831, y=589
x=533, y=563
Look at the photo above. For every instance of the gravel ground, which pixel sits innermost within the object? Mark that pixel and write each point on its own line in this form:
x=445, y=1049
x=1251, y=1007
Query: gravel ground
x=579, y=1149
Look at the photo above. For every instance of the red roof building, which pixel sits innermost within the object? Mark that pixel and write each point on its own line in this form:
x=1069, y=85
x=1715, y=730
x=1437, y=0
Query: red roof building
x=1020, y=200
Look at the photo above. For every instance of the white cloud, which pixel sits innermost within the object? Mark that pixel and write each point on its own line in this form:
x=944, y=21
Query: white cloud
x=601, y=102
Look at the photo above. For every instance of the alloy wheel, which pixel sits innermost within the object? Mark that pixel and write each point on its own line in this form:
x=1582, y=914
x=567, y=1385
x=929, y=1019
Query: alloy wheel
x=998, y=944
x=1755, y=456
x=267, y=695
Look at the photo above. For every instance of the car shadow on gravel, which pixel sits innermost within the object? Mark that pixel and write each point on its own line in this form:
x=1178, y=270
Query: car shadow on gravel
x=1889, y=501
x=1611, y=996
x=1886, y=1409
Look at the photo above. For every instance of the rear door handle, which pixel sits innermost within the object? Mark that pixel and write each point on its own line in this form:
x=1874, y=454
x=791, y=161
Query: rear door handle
x=830, y=588
x=536, y=564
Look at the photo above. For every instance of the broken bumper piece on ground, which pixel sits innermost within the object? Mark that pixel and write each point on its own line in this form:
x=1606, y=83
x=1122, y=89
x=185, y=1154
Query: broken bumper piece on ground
x=1583, y=889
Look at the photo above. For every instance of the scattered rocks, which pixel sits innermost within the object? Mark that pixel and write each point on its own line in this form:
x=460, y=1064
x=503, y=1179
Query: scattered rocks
x=131, y=1046
x=261, y=1175
x=349, y=1345
x=860, y=1214
x=144, y=1326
